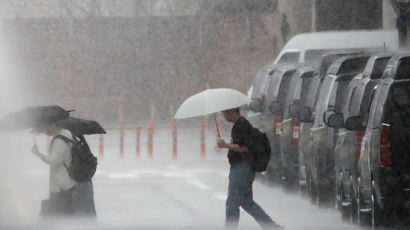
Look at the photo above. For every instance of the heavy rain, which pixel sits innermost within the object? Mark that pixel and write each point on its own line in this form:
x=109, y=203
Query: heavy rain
x=148, y=91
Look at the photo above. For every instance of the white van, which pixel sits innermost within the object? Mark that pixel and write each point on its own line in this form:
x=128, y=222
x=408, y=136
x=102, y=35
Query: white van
x=309, y=47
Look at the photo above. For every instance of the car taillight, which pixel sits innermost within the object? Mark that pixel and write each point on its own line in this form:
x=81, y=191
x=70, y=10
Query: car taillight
x=359, y=138
x=278, y=130
x=263, y=99
x=385, y=153
x=295, y=131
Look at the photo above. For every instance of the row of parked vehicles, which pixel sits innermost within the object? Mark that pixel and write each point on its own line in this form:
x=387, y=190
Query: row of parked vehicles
x=339, y=128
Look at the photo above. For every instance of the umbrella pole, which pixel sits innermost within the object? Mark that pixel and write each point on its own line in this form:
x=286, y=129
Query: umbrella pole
x=217, y=128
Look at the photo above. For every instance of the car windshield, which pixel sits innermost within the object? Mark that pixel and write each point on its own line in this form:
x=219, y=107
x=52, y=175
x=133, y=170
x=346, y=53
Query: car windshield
x=289, y=58
x=323, y=99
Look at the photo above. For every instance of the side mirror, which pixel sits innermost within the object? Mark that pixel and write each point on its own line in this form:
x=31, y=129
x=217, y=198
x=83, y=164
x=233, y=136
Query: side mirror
x=256, y=105
x=355, y=123
x=326, y=116
x=276, y=108
x=336, y=121
x=294, y=111
x=305, y=114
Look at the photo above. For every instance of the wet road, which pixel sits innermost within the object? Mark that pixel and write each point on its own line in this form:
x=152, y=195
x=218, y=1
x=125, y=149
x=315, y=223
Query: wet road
x=158, y=193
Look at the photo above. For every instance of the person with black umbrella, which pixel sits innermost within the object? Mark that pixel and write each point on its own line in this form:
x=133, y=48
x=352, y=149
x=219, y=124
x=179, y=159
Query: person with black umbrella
x=72, y=164
x=61, y=185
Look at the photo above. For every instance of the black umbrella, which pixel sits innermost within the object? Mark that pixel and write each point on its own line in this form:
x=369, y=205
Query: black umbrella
x=80, y=127
x=32, y=117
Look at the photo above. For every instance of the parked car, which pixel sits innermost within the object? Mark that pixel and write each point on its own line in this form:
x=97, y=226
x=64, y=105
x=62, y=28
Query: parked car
x=307, y=104
x=383, y=166
x=278, y=78
x=347, y=148
x=257, y=95
x=309, y=47
x=293, y=93
x=323, y=138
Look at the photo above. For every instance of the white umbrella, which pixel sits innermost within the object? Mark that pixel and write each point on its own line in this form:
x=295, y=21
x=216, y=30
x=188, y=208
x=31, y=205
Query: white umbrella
x=211, y=101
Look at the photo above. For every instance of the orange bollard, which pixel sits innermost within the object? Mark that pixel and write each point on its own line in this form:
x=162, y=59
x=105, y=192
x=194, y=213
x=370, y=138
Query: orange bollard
x=138, y=140
x=101, y=146
x=174, y=140
x=202, y=141
x=150, y=139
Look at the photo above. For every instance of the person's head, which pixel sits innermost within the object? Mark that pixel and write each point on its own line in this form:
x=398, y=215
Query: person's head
x=231, y=115
x=50, y=129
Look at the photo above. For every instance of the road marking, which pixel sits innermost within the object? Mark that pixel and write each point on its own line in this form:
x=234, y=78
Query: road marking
x=198, y=184
x=177, y=175
x=122, y=176
x=145, y=171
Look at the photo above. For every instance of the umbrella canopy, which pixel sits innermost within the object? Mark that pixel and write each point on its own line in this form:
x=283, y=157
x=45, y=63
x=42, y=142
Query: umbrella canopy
x=32, y=117
x=80, y=127
x=211, y=101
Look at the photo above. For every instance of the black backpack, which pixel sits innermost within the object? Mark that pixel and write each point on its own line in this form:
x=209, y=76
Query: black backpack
x=83, y=163
x=260, y=148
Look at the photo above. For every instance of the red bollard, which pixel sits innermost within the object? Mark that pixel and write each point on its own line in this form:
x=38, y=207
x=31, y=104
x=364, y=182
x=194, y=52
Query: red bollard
x=101, y=146
x=174, y=140
x=150, y=138
x=202, y=141
x=138, y=141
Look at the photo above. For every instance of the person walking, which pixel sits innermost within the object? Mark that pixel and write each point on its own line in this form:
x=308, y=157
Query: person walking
x=67, y=196
x=241, y=174
x=61, y=185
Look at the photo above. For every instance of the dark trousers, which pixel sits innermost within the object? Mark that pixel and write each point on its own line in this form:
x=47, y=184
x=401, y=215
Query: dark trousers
x=83, y=200
x=241, y=177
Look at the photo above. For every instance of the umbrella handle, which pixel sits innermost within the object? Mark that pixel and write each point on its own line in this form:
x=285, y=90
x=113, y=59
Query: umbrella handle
x=217, y=128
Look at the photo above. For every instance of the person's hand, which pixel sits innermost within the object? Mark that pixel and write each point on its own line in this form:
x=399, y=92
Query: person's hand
x=35, y=149
x=221, y=143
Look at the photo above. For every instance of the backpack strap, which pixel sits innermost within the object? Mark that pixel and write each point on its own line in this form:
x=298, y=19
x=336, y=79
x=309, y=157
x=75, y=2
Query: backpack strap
x=64, y=138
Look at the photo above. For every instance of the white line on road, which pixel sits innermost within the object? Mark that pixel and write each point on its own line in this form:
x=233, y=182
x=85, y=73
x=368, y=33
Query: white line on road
x=198, y=184
x=122, y=176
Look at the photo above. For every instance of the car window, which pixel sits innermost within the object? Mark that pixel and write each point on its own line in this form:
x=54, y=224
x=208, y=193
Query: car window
x=310, y=97
x=378, y=67
x=307, y=79
x=349, y=97
x=275, y=84
x=312, y=57
x=372, y=106
x=323, y=99
x=381, y=99
x=341, y=94
x=357, y=96
x=284, y=87
x=397, y=107
x=403, y=70
x=355, y=65
x=289, y=57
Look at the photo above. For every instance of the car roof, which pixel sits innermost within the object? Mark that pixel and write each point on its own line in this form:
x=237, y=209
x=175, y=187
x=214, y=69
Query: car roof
x=344, y=39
